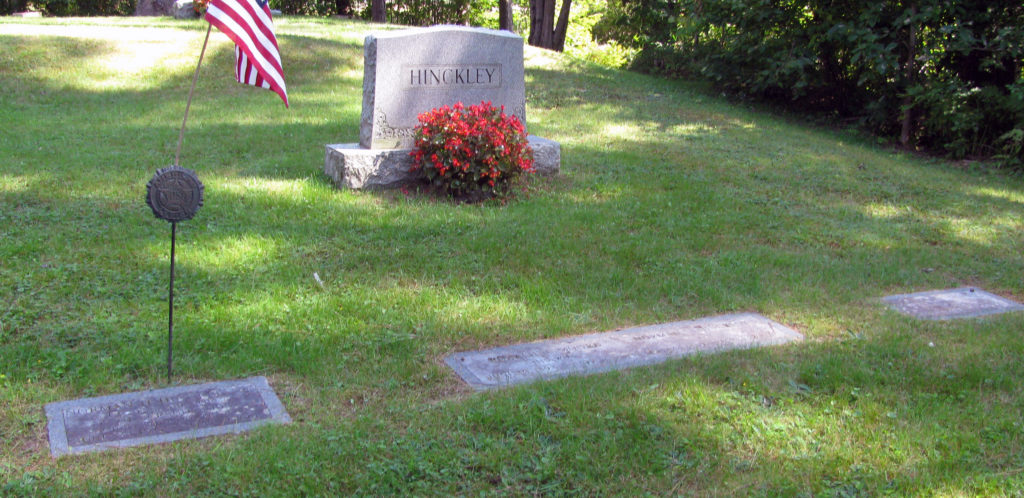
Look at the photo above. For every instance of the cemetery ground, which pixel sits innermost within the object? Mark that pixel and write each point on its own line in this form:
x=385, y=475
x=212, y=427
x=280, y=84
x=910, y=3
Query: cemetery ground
x=673, y=204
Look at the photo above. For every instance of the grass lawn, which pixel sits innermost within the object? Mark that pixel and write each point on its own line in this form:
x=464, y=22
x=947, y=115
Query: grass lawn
x=672, y=205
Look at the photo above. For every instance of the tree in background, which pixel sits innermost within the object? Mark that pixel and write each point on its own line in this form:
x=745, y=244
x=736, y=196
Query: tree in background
x=545, y=30
x=505, y=19
x=378, y=11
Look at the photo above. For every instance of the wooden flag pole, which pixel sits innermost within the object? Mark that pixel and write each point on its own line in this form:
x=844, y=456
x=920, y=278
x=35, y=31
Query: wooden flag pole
x=181, y=135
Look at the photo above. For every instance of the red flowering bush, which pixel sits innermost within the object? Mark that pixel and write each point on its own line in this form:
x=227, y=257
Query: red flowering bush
x=473, y=153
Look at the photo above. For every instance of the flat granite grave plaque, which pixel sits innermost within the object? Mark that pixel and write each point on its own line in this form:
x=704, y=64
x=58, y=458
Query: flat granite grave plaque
x=602, y=352
x=162, y=415
x=966, y=302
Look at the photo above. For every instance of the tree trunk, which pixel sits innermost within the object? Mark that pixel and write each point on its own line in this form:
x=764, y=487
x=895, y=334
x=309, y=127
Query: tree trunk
x=558, y=38
x=909, y=76
x=505, y=20
x=542, y=21
x=535, y=16
x=378, y=12
x=544, y=31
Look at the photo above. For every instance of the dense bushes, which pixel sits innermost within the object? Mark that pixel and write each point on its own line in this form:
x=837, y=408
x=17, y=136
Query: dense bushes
x=941, y=74
x=8, y=7
x=319, y=8
x=408, y=12
x=426, y=13
x=71, y=7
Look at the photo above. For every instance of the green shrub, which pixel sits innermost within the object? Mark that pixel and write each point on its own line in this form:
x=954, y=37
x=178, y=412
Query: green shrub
x=430, y=12
x=67, y=8
x=945, y=75
x=8, y=7
x=320, y=8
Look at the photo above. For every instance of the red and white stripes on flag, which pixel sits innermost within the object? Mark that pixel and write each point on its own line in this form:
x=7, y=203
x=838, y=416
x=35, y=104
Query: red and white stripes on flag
x=249, y=25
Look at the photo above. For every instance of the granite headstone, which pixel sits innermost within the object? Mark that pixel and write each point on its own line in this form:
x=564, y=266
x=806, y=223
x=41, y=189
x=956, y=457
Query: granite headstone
x=411, y=71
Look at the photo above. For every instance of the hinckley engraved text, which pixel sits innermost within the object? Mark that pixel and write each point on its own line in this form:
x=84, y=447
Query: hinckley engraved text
x=452, y=76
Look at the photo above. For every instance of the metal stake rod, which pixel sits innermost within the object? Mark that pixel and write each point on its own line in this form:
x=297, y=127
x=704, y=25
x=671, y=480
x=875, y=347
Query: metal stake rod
x=170, y=308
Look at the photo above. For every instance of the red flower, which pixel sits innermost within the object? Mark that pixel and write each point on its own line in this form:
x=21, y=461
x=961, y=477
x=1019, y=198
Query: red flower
x=475, y=149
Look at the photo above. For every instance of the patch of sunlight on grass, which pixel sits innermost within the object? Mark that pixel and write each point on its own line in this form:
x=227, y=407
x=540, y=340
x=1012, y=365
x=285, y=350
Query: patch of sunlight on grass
x=457, y=307
x=488, y=309
x=886, y=211
x=1000, y=194
x=353, y=72
x=623, y=129
x=693, y=129
x=133, y=52
x=983, y=234
x=353, y=32
x=604, y=195
x=277, y=188
x=235, y=253
x=12, y=184
x=538, y=58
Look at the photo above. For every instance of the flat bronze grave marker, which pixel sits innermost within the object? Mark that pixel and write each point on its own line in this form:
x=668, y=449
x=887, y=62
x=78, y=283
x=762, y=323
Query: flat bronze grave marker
x=966, y=302
x=161, y=415
x=601, y=352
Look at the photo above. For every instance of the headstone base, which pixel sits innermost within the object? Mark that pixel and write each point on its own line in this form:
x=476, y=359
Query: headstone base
x=185, y=9
x=351, y=166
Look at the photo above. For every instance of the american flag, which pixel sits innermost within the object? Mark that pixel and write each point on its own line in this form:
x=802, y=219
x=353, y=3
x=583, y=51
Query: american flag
x=249, y=25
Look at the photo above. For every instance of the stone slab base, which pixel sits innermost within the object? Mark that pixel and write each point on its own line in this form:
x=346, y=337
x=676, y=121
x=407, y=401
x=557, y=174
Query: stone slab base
x=351, y=166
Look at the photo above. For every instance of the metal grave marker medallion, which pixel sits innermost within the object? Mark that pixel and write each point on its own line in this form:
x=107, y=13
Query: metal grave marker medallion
x=174, y=194
x=601, y=352
x=161, y=415
x=966, y=302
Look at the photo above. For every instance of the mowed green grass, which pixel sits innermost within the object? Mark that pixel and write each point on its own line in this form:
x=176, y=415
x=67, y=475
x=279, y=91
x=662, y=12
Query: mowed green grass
x=672, y=204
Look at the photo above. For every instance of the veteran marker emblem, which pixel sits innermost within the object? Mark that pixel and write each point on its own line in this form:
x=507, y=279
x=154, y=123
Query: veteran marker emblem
x=174, y=194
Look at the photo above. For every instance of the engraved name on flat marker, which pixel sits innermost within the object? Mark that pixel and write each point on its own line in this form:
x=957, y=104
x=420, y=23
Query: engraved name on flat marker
x=188, y=412
x=592, y=353
x=966, y=302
